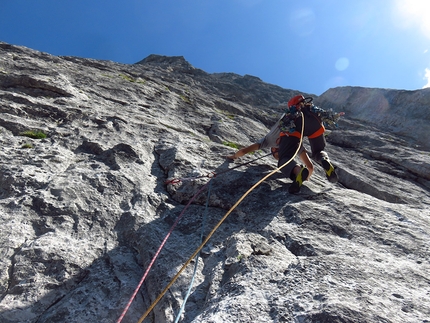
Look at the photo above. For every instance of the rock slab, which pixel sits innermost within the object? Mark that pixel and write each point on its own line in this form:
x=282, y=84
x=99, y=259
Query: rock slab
x=84, y=210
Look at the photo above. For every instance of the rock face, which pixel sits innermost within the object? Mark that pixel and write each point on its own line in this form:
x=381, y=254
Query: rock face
x=84, y=210
x=405, y=113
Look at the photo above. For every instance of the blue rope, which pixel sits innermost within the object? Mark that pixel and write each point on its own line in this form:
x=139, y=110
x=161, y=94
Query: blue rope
x=197, y=257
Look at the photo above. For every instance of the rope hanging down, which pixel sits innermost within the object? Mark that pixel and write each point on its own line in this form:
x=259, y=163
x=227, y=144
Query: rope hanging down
x=216, y=228
x=158, y=252
x=174, y=181
x=202, y=233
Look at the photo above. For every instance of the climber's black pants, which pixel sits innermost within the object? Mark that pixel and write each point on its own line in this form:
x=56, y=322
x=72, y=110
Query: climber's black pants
x=288, y=147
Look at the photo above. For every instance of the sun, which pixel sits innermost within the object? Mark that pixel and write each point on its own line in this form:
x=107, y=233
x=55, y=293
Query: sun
x=413, y=13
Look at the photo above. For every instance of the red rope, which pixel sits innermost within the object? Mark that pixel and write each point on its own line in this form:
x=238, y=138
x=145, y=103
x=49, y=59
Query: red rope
x=158, y=252
x=211, y=175
x=185, y=179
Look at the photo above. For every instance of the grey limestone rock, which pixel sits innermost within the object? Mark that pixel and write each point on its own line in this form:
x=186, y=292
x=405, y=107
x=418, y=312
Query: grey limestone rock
x=84, y=210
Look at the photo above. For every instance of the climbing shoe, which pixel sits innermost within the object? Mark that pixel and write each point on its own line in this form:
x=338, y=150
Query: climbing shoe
x=329, y=171
x=300, y=178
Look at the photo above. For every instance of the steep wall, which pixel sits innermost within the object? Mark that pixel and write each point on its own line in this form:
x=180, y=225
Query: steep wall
x=406, y=113
x=84, y=210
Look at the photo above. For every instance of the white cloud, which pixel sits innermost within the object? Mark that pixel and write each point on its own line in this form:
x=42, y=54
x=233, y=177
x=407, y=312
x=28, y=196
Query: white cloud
x=427, y=78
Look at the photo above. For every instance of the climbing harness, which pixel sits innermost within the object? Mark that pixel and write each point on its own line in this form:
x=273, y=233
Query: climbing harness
x=287, y=124
x=216, y=228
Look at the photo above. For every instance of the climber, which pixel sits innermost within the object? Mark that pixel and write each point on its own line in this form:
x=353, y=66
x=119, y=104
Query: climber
x=272, y=140
x=284, y=138
x=290, y=133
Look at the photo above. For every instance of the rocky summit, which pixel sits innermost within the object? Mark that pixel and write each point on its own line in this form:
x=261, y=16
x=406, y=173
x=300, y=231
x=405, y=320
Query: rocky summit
x=100, y=166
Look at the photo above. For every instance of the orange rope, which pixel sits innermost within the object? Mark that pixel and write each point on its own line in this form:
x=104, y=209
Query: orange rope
x=216, y=228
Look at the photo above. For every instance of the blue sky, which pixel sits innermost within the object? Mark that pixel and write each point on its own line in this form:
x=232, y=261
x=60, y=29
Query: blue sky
x=307, y=46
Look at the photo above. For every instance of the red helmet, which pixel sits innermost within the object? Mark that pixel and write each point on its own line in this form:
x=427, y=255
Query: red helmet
x=296, y=100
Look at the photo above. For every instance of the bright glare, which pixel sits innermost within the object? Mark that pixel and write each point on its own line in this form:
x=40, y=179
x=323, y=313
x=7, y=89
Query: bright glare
x=414, y=12
x=342, y=64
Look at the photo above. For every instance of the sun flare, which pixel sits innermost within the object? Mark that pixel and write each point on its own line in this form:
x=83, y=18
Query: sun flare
x=410, y=13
